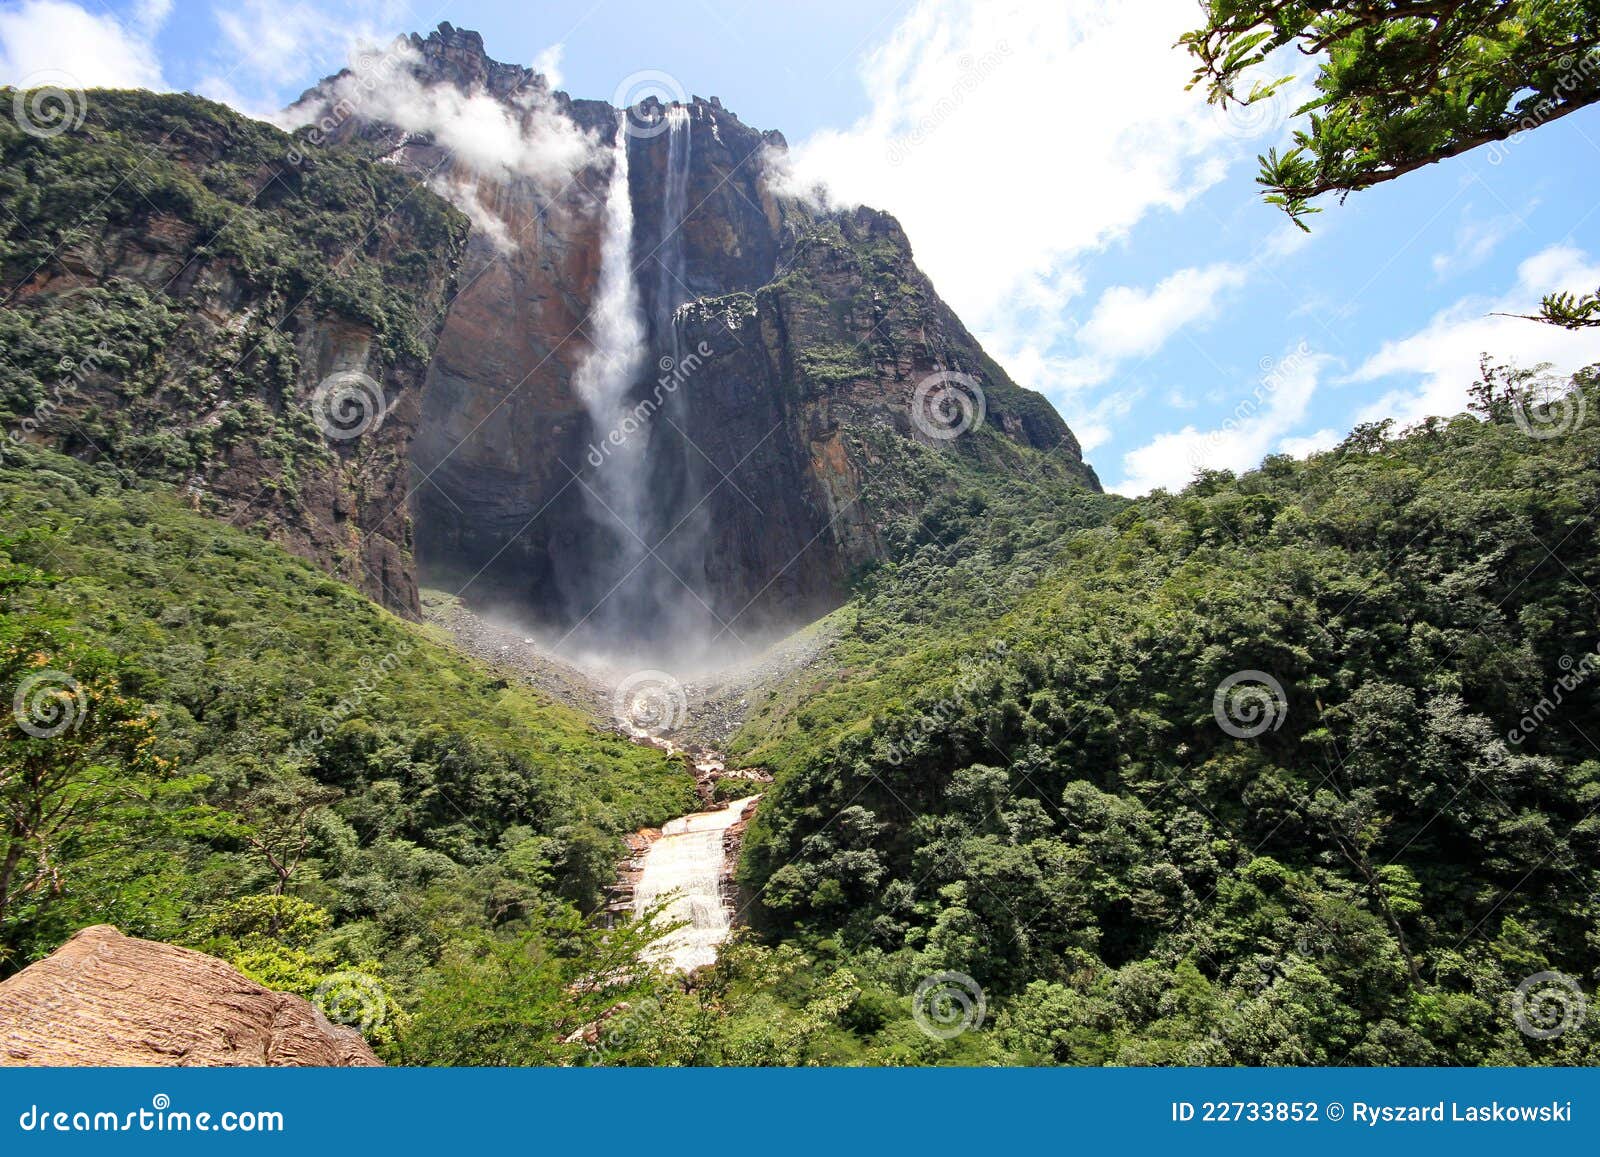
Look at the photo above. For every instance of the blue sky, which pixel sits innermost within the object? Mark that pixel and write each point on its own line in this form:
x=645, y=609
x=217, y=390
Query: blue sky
x=1096, y=225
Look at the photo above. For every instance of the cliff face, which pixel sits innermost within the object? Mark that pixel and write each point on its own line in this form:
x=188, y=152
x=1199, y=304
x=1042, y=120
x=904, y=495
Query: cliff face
x=298, y=332
x=785, y=342
x=103, y=998
x=248, y=317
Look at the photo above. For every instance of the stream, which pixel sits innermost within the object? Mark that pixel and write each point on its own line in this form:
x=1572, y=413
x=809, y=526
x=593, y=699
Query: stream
x=691, y=856
x=690, y=860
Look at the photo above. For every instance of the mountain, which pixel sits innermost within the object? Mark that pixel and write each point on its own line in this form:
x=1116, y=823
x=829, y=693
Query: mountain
x=301, y=332
x=1290, y=767
x=192, y=297
x=790, y=340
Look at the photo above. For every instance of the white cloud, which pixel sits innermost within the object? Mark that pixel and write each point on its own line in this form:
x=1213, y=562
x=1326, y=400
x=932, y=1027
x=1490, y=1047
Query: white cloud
x=57, y=43
x=269, y=51
x=548, y=64
x=222, y=90
x=525, y=136
x=1129, y=322
x=1475, y=240
x=1012, y=139
x=150, y=15
x=1259, y=425
x=271, y=39
x=1445, y=353
x=1093, y=424
x=467, y=197
x=1324, y=439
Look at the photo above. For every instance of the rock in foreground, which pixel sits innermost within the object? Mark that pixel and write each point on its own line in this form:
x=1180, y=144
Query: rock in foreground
x=108, y=999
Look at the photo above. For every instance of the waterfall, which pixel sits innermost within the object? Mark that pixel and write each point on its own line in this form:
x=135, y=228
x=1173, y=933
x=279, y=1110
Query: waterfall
x=677, y=467
x=687, y=862
x=670, y=252
x=606, y=377
x=646, y=487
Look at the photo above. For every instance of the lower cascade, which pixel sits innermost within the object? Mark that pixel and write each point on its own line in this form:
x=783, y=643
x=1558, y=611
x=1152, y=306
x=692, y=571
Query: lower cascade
x=688, y=863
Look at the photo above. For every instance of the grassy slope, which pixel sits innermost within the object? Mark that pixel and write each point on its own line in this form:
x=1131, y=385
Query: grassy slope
x=246, y=654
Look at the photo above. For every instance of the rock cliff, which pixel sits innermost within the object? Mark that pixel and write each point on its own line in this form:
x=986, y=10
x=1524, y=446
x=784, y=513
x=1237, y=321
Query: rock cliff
x=248, y=316
x=104, y=999
x=303, y=334
x=786, y=341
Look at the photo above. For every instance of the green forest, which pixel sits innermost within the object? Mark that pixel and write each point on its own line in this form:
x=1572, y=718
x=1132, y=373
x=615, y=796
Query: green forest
x=1034, y=791
x=1291, y=766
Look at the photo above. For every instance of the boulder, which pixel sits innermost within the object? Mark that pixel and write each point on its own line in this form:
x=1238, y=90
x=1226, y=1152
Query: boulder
x=107, y=999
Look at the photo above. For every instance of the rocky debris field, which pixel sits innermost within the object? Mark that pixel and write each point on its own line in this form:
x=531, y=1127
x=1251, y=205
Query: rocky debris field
x=517, y=654
x=717, y=702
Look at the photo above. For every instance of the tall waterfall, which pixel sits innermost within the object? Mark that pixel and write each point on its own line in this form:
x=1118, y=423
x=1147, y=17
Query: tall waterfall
x=604, y=380
x=641, y=577
x=670, y=291
x=677, y=466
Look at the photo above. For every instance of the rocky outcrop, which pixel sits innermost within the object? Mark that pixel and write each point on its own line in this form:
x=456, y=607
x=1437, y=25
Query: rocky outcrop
x=767, y=459
x=243, y=314
x=105, y=999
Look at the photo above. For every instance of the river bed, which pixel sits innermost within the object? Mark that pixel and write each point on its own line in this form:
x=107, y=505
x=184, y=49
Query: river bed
x=689, y=859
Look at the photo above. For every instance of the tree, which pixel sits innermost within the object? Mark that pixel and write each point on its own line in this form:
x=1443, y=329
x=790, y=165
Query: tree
x=77, y=769
x=1570, y=311
x=527, y=999
x=1401, y=84
x=278, y=819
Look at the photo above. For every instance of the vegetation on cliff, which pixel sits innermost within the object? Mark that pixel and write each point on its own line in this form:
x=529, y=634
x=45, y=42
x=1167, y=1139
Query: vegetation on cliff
x=222, y=199
x=261, y=762
x=183, y=285
x=1047, y=801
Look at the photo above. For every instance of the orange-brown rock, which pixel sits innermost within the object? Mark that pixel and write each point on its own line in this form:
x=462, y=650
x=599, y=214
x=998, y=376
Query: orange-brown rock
x=107, y=999
x=786, y=343
x=276, y=371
